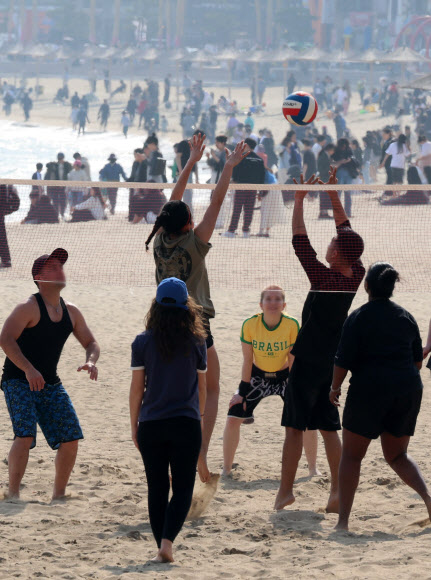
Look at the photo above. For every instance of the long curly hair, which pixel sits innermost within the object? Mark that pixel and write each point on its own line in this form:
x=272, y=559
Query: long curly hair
x=176, y=329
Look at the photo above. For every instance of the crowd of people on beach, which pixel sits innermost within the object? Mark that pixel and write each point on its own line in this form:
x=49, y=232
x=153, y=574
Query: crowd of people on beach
x=176, y=372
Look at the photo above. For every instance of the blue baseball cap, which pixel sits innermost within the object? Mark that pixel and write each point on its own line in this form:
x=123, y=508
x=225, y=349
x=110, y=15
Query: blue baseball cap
x=175, y=290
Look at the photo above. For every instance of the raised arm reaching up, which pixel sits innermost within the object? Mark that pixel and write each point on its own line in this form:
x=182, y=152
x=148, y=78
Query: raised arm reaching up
x=205, y=229
x=197, y=149
x=298, y=224
x=340, y=215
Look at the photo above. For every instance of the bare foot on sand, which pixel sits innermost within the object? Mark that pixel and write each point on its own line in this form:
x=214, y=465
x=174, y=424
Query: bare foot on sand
x=428, y=506
x=333, y=504
x=342, y=526
x=204, y=473
x=164, y=555
x=283, y=500
x=314, y=472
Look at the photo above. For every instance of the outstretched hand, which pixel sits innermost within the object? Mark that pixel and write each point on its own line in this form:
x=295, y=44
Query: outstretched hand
x=91, y=369
x=241, y=151
x=332, y=179
x=197, y=147
x=300, y=195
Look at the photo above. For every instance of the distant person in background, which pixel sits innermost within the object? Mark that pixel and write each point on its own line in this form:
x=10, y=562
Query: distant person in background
x=340, y=124
x=167, y=89
x=249, y=121
x=137, y=175
x=216, y=158
x=156, y=163
x=85, y=164
x=309, y=160
x=58, y=172
x=131, y=108
x=324, y=170
x=5, y=210
x=268, y=144
x=27, y=105
x=291, y=84
x=213, y=117
x=31, y=217
x=93, y=208
x=75, y=100
x=398, y=152
x=346, y=170
x=83, y=119
x=410, y=197
x=125, y=123
x=424, y=159
x=146, y=205
x=385, y=160
x=261, y=87
x=76, y=192
x=112, y=171
x=45, y=213
x=37, y=175
x=103, y=114
x=250, y=170
x=120, y=89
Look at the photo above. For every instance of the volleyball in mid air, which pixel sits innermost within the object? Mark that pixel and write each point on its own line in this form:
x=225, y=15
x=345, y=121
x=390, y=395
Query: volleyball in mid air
x=300, y=108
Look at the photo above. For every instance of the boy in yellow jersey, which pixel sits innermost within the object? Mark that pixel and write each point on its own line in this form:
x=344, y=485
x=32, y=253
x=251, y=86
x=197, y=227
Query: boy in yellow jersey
x=267, y=339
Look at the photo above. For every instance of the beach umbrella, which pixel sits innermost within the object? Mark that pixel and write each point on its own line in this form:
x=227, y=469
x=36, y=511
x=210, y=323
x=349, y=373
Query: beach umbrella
x=371, y=56
x=92, y=51
x=229, y=55
x=16, y=49
x=38, y=52
x=343, y=56
x=315, y=55
x=199, y=57
x=422, y=83
x=404, y=56
x=283, y=56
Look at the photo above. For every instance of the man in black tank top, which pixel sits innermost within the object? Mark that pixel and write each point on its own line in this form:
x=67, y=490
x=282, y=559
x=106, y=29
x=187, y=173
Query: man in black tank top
x=33, y=338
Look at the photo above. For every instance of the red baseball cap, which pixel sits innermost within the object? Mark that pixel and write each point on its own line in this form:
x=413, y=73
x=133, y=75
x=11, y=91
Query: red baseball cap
x=58, y=254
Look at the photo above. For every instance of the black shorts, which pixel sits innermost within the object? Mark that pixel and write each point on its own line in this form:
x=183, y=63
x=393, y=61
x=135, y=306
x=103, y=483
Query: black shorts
x=262, y=385
x=371, y=411
x=209, y=338
x=307, y=404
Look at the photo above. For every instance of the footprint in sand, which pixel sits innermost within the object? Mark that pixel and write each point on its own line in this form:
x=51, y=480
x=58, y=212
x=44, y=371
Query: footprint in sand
x=202, y=496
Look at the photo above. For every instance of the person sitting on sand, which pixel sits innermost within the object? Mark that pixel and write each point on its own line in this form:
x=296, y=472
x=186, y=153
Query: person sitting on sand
x=267, y=339
x=381, y=346
x=411, y=197
x=332, y=292
x=92, y=208
x=32, y=338
x=180, y=249
x=167, y=403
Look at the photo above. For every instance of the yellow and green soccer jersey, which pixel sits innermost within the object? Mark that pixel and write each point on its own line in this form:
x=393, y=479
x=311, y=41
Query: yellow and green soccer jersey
x=270, y=346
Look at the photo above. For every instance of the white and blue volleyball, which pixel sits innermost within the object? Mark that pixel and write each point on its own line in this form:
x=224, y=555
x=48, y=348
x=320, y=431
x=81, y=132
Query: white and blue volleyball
x=300, y=108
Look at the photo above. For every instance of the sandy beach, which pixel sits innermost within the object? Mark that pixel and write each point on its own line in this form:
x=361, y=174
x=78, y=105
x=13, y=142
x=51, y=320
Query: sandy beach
x=102, y=531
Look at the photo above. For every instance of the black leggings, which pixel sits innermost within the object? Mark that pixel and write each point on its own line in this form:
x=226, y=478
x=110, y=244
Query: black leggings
x=173, y=443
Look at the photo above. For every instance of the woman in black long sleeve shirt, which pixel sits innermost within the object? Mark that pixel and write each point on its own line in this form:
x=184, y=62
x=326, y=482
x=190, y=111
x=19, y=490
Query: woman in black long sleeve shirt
x=382, y=348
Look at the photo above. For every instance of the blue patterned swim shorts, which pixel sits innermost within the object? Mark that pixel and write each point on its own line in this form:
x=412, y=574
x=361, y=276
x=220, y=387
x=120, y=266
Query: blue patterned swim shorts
x=51, y=408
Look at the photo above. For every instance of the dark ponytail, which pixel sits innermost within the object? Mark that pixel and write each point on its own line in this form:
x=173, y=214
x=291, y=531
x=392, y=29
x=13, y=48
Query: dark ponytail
x=175, y=215
x=381, y=279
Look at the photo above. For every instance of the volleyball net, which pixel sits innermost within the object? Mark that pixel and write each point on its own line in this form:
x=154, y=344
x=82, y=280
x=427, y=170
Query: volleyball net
x=112, y=251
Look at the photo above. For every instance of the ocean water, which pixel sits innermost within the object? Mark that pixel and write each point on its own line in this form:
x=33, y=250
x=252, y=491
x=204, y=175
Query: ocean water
x=23, y=145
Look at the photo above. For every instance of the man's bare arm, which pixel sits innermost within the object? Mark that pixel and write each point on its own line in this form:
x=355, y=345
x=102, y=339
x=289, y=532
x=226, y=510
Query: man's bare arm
x=86, y=338
x=298, y=224
x=15, y=324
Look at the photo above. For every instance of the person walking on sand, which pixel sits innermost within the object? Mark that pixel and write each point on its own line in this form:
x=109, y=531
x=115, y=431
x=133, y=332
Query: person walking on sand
x=267, y=339
x=32, y=338
x=167, y=403
x=381, y=346
x=332, y=292
x=180, y=250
